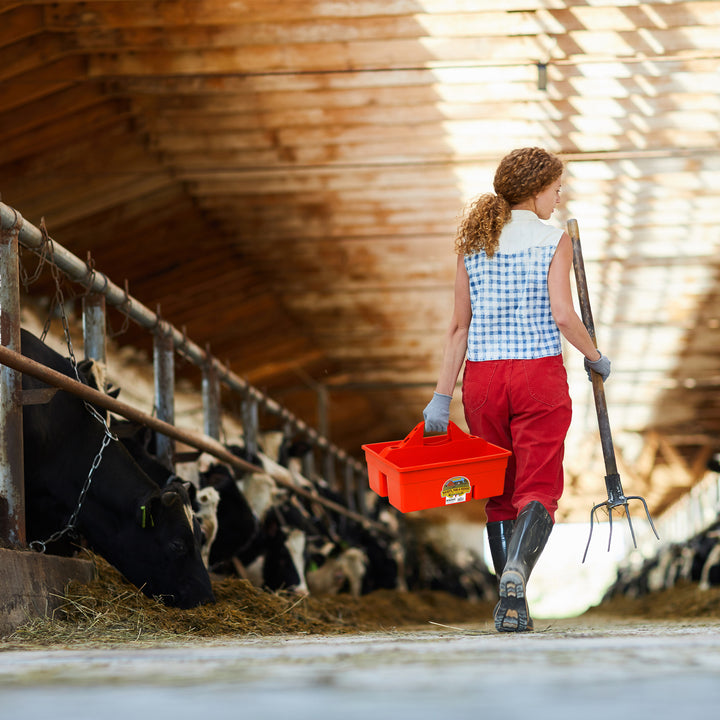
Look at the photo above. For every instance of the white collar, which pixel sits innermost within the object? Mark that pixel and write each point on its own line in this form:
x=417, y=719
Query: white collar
x=524, y=215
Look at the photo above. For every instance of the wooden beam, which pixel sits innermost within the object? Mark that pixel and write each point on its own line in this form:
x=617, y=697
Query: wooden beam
x=438, y=149
x=675, y=463
x=44, y=80
x=284, y=179
x=32, y=53
x=698, y=467
x=178, y=30
x=685, y=72
x=377, y=154
x=135, y=13
x=64, y=131
x=530, y=18
x=647, y=459
x=20, y=23
x=368, y=56
x=85, y=199
x=234, y=224
x=642, y=177
x=49, y=109
x=278, y=9
x=468, y=136
x=408, y=107
x=311, y=57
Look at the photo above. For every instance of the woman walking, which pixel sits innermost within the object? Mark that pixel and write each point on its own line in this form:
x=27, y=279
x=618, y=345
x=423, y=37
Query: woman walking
x=512, y=303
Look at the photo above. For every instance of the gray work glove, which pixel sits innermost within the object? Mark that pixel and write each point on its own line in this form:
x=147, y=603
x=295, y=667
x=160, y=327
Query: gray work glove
x=600, y=366
x=437, y=413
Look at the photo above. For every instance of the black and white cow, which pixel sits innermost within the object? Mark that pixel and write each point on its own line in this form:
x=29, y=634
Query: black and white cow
x=144, y=530
x=710, y=575
x=237, y=524
x=695, y=560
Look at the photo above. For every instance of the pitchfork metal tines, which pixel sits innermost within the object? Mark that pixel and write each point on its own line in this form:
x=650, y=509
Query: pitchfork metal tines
x=616, y=497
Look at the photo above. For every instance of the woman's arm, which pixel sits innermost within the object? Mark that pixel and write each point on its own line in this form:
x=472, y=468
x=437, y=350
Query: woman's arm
x=561, y=304
x=455, y=346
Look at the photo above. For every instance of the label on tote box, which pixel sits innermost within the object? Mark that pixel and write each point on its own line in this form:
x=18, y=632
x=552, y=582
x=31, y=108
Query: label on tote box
x=455, y=490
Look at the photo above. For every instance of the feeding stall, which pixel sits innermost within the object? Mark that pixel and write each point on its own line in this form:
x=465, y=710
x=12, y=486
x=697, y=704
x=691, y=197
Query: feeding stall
x=31, y=579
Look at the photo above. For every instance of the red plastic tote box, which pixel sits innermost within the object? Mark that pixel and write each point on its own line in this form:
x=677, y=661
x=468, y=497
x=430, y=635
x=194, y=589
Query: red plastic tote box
x=421, y=472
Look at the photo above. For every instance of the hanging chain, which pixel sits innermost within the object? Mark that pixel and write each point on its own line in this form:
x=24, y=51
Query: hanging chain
x=25, y=277
x=69, y=529
x=58, y=301
x=124, y=308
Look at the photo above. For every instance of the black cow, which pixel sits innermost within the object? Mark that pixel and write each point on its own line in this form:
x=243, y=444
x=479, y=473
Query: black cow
x=145, y=531
x=139, y=441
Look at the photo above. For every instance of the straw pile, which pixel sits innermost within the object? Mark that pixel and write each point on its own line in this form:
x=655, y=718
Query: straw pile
x=684, y=601
x=110, y=610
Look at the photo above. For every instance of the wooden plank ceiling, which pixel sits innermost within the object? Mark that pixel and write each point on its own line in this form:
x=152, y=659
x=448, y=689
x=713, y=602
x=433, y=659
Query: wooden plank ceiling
x=284, y=178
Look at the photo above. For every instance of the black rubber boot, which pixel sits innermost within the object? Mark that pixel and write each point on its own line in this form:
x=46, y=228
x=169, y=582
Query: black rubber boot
x=499, y=533
x=530, y=534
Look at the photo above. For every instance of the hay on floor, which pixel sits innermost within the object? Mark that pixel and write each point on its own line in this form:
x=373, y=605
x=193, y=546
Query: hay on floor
x=111, y=610
x=684, y=601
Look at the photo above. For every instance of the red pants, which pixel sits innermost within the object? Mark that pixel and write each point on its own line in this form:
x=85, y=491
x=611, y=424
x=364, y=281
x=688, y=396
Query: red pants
x=523, y=406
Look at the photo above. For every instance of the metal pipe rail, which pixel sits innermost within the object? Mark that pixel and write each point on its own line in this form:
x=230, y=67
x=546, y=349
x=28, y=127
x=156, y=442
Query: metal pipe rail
x=97, y=282
x=26, y=365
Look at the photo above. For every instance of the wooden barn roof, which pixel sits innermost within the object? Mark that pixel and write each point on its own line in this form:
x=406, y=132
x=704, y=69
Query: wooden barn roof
x=284, y=179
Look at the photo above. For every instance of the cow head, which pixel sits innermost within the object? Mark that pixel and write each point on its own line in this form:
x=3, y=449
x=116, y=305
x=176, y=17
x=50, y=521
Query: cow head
x=165, y=556
x=157, y=548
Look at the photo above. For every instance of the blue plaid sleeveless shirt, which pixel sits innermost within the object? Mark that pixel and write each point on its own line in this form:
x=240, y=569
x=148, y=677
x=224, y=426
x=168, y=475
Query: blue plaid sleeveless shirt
x=511, y=316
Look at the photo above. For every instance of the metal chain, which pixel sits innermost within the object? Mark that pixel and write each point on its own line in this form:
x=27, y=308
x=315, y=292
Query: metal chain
x=69, y=529
x=42, y=253
x=124, y=308
x=58, y=301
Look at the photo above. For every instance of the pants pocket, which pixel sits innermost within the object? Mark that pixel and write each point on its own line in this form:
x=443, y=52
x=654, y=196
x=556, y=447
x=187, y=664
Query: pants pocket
x=546, y=380
x=476, y=385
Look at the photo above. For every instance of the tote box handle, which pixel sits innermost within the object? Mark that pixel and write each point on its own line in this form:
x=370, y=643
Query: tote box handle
x=417, y=436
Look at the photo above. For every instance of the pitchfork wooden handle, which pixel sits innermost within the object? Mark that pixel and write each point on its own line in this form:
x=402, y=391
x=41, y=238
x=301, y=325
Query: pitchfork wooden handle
x=587, y=318
x=580, y=279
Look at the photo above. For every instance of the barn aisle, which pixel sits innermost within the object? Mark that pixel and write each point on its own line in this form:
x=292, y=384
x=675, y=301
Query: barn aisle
x=590, y=668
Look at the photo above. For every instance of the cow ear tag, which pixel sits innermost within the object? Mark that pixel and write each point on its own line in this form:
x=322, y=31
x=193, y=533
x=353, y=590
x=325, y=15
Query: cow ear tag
x=146, y=518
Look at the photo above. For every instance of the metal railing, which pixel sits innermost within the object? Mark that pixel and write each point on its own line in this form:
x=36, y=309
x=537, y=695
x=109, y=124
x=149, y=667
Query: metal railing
x=14, y=231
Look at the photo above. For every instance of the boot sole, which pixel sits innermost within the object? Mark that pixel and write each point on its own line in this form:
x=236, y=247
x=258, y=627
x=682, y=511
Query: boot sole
x=511, y=613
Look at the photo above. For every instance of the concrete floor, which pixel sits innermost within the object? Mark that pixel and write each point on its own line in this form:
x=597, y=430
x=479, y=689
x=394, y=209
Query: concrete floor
x=566, y=669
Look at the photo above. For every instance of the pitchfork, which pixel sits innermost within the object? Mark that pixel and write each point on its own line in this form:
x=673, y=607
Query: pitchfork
x=616, y=496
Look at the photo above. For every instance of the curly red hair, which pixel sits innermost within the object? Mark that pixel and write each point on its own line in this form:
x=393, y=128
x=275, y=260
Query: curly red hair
x=521, y=174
